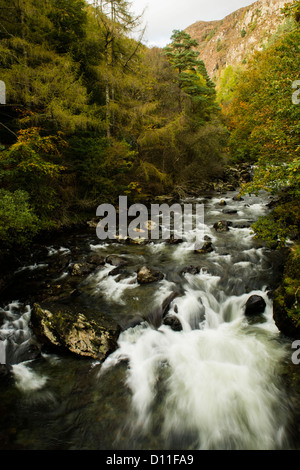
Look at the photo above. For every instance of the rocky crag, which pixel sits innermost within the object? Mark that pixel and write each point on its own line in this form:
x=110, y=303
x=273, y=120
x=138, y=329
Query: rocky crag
x=231, y=41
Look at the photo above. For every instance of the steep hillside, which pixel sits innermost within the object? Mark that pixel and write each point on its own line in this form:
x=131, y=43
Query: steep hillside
x=231, y=40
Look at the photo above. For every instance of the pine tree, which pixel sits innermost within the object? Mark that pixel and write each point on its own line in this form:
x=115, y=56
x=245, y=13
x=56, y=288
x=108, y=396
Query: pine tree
x=193, y=80
x=183, y=59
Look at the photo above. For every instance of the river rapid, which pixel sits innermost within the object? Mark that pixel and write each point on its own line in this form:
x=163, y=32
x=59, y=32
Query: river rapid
x=216, y=384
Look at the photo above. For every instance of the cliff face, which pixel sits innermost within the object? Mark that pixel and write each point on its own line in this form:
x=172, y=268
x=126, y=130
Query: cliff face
x=231, y=40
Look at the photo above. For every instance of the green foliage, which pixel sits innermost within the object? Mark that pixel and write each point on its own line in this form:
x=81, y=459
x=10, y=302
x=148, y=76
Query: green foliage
x=263, y=119
x=220, y=45
x=192, y=76
x=226, y=88
x=292, y=9
x=18, y=222
x=243, y=33
x=69, y=21
x=93, y=113
x=264, y=124
x=30, y=163
x=287, y=296
x=281, y=225
x=211, y=34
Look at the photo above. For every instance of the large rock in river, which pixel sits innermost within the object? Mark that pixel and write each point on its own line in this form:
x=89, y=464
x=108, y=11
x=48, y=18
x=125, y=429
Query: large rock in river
x=146, y=275
x=255, y=305
x=70, y=329
x=222, y=226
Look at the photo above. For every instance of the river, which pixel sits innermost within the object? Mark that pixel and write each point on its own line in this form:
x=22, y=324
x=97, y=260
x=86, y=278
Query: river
x=216, y=384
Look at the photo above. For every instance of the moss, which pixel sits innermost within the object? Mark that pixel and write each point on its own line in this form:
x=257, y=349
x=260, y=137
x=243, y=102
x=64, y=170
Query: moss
x=287, y=296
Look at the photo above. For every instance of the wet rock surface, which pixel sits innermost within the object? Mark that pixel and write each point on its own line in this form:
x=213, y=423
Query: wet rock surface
x=67, y=328
x=255, y=305
x=222, y=226
x=146, y=275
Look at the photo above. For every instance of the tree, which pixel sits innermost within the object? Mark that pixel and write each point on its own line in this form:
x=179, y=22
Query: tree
x=193, y=80
x=18, y=222
x=265, y=131
x=68, y=25
x=183, y=58
x=115, y=22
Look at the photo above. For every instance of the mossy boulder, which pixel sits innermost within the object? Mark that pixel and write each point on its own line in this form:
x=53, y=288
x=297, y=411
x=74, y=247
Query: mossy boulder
x=286, y=306
x=94, y=336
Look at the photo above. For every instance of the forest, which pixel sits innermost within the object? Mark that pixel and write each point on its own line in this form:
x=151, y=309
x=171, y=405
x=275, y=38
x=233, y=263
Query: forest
x=92, y=113
x=135, y=343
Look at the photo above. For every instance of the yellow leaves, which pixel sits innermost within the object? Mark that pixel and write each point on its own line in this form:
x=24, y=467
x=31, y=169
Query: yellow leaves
x=133, y=187
x=32, y=152
x=36, y=164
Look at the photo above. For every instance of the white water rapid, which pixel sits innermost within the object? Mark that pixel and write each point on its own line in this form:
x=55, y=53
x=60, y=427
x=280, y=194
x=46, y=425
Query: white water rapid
x=215, y=382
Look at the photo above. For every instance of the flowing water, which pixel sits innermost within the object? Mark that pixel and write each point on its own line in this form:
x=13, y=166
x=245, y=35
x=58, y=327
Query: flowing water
x=216, y=384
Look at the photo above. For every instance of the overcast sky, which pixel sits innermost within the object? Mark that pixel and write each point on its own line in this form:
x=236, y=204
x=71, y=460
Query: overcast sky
x=163, y=16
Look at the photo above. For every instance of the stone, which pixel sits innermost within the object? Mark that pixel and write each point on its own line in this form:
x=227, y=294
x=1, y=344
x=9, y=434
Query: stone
x=230, y=211
x=173, y=321
x=157, y=314
x=222, y=203
x=115, y=260
x=66, y=328
x=81, y=269
x=174, y=241
x=96, y=259
x=206, y=248
x=222, y=226
x=191, y=270
x=147, y=276
x=255, y=305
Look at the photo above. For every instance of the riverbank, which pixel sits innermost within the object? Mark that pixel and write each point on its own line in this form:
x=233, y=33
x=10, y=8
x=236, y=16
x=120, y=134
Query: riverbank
x=183, y=322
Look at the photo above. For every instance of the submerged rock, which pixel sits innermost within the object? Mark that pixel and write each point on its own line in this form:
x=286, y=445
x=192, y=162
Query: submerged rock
x=174, y=241
x=230, y=211
x=71, y=330
x=255, y=305
x=115, y=260
x=95, y=259
x=147, y=276
x=191, y=270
